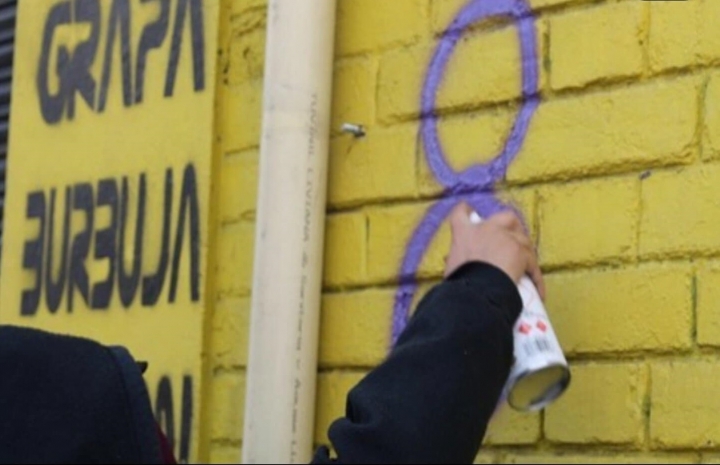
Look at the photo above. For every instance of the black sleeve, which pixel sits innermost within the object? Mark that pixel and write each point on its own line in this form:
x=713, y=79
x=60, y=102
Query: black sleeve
x=431, y=400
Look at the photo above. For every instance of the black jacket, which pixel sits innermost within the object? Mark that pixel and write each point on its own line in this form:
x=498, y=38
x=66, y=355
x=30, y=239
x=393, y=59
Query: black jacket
x=431, y=400
x=70, y=400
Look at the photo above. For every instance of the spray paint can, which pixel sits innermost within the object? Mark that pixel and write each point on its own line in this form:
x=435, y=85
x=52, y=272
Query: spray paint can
x=540, y=373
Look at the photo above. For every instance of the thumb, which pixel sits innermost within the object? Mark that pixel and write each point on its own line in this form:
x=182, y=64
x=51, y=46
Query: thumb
x=460, y=216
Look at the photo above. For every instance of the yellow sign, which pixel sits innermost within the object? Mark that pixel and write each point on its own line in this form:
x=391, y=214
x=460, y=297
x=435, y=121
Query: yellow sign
x=106, y=223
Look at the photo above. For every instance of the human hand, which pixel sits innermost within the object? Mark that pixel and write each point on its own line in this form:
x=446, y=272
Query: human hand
x=499, y=240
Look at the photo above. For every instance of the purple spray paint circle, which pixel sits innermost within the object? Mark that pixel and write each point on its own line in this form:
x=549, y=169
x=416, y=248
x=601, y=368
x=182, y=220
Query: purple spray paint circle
x=475, y=184
x=481, y=176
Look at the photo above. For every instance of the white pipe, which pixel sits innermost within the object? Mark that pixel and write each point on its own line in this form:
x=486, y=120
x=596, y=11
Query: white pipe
x=280, y=398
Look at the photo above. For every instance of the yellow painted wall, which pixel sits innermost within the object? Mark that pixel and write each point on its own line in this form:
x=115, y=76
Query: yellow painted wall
x=616, y=177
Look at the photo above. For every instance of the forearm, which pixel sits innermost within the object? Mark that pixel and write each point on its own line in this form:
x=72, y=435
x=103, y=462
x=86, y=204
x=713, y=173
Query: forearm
x=430, y=401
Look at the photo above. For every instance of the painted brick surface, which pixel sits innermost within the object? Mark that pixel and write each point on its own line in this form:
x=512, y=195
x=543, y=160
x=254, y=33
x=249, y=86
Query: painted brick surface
x=606, y=139
x=625, y=129
x=570, y=215
x=627, y=309
x=684, y=402
x=578, y=56
x=708, y=304
x=681, y=37
x=693, y=229
x=602, y=405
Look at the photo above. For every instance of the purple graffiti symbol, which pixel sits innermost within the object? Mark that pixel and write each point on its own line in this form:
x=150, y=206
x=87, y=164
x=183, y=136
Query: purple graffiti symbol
x=475, y=184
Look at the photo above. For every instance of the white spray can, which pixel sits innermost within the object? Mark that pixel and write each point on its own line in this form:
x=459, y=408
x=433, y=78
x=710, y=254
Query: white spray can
x=540, y=373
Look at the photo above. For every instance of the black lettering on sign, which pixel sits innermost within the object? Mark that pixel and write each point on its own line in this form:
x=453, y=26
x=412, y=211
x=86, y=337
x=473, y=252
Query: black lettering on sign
x=52, y=105
x=153, y=284
x=186, y=421
x=106, y=243
x=81, y=81
x=165, y=415
x=128, y=284
x=198, y=44
x=152, y=37
x=82, y=200
x=188, y=201
x=73, y=67
x=54, y=289
x=119, y=17
x=33, y=253
x=67, y=268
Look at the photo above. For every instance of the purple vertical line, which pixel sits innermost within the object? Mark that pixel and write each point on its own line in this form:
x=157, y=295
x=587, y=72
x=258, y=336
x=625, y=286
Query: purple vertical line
x=415, y=251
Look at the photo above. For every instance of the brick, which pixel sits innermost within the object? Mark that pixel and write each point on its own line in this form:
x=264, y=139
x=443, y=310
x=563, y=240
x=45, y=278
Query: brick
x=242, y=116
x=467, y=140
x=400, y=80
x=639, y=308
x=380, y=166
x=240, y=6
x=443, y=11
x=510, y=427
x=364, y=28
x=681, y=35
x=627, y=457
x=238, y=185
x=708, y=304
x=680, y=208
x=354, y=85
x=230, y=332
x=685, y=404
x=630, y=128
x=235, y=258
x=537, y=4
x=247, y=52
x=595, y=44
x=486, y=457
x=332, y=390
x=602, y=405
x=247, y=16
x=355, y=328
x=484, y=69
x=711, y=124
x=345, y=249
x=574, y=219
x=227, y=406
x=390, y=230
x=221, y=453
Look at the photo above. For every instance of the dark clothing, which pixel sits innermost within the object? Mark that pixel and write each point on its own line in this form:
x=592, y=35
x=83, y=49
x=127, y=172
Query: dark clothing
x=431, y=400
x=70, y=400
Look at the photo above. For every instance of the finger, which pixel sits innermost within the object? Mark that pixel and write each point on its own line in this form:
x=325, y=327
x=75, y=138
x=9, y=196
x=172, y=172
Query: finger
x=508, y=220
x=450, y=265
x=460, y=216
x=523, y=240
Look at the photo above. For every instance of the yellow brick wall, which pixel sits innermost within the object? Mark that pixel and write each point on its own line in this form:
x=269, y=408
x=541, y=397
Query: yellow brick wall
x=616, y=177
x=237, y=133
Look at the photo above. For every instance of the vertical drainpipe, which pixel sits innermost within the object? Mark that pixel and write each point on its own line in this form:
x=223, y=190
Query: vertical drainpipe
x=289, y=237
